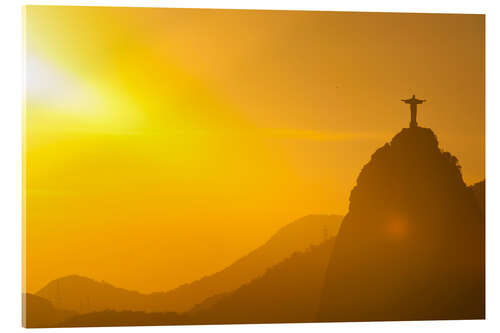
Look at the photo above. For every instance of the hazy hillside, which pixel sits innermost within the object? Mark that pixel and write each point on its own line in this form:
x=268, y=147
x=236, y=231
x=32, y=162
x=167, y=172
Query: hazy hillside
x=412, y=245
x=41, y=313
x=82, y=295
x=85, y=295
x=297, y=236
x=289, y=292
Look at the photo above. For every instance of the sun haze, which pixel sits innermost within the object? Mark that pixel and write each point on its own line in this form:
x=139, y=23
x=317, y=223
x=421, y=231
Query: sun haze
x=163, y=144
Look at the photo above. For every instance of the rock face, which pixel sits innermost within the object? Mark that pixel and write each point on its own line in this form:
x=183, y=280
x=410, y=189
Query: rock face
x=479, y=189
x=412, y=245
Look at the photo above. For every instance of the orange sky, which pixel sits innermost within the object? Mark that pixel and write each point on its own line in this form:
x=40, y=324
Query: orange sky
x=163, y=144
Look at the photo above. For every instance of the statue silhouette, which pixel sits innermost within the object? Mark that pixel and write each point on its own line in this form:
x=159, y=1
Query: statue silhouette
x=413, y=108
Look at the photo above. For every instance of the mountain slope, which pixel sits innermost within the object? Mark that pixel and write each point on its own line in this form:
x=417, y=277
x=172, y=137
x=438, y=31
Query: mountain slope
x=39, y=312
x=412, y=245
x=288, y=292
x=296, y=236
x=85, y=295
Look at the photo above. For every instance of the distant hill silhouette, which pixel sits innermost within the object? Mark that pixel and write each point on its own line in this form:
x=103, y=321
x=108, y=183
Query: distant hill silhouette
x=296, y=236
x=288, y=292
x=412, y=245
x=41, y=313
x=84, y=295
x=479, y=189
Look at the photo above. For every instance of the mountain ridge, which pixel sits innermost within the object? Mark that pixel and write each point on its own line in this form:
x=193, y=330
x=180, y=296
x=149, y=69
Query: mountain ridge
x=287, y=292
x=85, y=295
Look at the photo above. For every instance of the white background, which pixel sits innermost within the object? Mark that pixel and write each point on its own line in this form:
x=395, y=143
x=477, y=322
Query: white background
x=11, y=79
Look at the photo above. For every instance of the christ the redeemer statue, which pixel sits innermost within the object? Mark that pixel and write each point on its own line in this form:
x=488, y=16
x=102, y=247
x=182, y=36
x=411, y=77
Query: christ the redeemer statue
x=413, y=108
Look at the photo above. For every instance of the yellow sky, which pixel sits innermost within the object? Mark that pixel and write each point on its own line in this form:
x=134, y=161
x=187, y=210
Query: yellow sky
x=162, y=144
